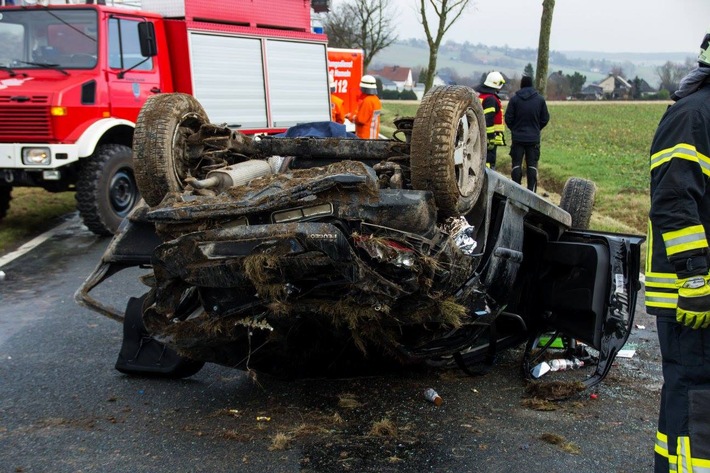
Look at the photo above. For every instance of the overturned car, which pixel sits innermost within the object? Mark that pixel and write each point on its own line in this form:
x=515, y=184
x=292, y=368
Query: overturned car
x=304, y=255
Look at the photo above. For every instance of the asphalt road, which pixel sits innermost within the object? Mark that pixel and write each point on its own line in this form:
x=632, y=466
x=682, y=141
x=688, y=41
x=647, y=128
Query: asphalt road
x=63, y=407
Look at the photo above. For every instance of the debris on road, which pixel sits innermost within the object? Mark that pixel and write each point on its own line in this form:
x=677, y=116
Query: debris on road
x=433, y=397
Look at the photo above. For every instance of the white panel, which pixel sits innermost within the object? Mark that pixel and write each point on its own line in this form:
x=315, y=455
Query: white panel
x=167, y=8
x=298, y=82
x=228, y=79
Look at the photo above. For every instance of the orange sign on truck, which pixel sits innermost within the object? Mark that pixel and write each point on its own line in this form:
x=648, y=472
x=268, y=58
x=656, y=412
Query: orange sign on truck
x=345, y=66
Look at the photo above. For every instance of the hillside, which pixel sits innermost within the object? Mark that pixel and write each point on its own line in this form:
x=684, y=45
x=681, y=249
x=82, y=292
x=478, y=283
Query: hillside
x=472, y=61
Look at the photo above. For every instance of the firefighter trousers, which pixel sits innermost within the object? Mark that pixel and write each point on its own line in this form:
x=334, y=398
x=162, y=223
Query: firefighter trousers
x=683, y=437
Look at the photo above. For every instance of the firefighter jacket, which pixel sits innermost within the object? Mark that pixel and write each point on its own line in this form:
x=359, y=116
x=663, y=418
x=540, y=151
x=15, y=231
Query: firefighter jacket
x=367, y=118
x=493, y=111
x=679, y=220
x=336, y=109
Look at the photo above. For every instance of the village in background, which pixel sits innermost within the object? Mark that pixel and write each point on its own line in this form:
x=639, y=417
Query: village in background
x=582, y=75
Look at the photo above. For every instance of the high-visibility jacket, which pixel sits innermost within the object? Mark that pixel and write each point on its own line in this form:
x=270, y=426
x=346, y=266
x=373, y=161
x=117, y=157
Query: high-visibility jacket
x=367, y=118
x=679, y=220
x=336, y=109
x=492, y=111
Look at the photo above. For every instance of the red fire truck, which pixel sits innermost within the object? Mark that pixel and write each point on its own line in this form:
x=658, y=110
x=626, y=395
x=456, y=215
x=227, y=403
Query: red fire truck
x=73, y=77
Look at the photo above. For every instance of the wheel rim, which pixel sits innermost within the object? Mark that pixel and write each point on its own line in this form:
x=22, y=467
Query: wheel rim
x=466, y=153
x=122, y=192
x=189, y=124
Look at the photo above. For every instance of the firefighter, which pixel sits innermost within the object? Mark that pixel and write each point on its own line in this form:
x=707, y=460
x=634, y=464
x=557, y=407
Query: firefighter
x=677, y=266
x=493, y=111
x=369, y=108
x=336, y=104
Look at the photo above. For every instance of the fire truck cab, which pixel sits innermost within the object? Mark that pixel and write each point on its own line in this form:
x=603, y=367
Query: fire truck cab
x=73, y=77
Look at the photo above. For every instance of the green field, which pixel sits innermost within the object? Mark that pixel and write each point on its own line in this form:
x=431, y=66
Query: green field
x=606, y=142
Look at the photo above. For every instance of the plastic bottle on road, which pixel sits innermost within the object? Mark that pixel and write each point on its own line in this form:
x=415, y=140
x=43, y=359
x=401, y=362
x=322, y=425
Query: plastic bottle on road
x=432, y=396
x=561, y=364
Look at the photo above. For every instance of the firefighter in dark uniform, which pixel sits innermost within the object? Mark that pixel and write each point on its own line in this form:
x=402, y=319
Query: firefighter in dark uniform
x=677, y=266
x=493, y=111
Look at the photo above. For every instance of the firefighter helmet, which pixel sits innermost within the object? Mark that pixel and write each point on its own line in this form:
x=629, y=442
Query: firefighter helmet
x=704, y=56
x=368, y=85
x=494, y=80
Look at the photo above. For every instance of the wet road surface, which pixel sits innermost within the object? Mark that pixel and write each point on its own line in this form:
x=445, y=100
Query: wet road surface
x=63, y=407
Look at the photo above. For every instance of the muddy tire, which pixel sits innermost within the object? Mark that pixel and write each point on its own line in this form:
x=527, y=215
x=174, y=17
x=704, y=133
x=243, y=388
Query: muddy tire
x=578, y=200
x=106, y=190
x=448, y=150
x=160, y=144
x=5, y=198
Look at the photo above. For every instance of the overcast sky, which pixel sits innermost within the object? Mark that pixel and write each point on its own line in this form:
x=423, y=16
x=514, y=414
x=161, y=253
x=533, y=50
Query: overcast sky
x=577, y=25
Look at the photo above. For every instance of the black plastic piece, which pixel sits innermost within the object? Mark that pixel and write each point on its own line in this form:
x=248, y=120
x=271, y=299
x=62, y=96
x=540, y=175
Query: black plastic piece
x=142, y=355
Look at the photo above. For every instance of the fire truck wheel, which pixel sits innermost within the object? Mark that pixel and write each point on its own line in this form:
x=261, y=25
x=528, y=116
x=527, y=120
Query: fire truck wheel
x=106, y=190
x=578, y=200
x=160, y=144
x=5, y=198
x=448, y=150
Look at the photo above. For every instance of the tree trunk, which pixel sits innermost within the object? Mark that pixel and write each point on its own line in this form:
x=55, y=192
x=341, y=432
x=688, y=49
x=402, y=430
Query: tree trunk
x=543, y=48
x=431, y=69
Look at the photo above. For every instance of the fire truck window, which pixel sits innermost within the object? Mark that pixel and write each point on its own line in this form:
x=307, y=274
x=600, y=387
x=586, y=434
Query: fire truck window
x=12, y=44
x=124, y=50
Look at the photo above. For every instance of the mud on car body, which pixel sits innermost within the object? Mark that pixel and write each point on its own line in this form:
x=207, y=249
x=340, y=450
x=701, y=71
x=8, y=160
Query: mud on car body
x=313, y=255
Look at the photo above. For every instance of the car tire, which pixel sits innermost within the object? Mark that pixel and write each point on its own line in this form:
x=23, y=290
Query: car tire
x=578, y=200
x=5, y=198
x=160, y=144
x=106, y=190
x=448, y=148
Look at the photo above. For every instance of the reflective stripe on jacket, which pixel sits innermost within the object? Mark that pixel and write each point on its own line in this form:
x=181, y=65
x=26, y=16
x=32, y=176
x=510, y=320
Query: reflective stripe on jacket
x=493, y=111
x=680, y=196
x=367, y=118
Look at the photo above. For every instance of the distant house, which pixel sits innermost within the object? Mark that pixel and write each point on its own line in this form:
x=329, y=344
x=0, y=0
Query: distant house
x=400, y=76
x=590, y=92
x=645, y=89
x=387, y=84
x=615, y=87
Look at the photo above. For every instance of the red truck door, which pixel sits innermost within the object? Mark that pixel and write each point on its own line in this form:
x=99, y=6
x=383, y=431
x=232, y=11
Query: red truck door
x=129, y=89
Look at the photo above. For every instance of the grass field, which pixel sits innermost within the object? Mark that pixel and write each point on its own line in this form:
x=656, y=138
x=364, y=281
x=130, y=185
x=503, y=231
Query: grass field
x=606, y=142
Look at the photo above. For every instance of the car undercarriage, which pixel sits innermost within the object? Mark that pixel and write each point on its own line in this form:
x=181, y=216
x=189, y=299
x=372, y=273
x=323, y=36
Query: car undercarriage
x=309, y=255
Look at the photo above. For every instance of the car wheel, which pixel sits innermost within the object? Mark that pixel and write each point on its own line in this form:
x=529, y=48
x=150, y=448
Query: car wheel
x=162, y=159
x=578, y=200
x=106, y=190
x=5, y=198
x=448, y=148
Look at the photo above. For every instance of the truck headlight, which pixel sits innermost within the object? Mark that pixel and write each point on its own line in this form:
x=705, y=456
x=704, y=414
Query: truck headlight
x=36, y=156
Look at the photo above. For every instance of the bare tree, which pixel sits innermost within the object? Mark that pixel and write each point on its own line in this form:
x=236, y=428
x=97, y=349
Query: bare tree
x=445, y=14
x=543, y=48
x=671, y=73
x=364, y=24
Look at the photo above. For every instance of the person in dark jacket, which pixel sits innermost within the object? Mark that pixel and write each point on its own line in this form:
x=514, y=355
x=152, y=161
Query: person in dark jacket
x=677, y=271
x=526, y=115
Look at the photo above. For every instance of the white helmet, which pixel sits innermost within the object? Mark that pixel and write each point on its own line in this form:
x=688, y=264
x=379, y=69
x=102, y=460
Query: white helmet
x=494, y=80
x=368, y=84
x=704, y=56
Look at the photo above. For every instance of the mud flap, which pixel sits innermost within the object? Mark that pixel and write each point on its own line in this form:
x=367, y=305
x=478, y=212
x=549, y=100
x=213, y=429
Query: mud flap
x=142, y=355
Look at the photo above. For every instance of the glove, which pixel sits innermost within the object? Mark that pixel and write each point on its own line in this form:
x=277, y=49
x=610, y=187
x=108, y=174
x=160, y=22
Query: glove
x=498, y=139
x=491, y=146
x=694, y=301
